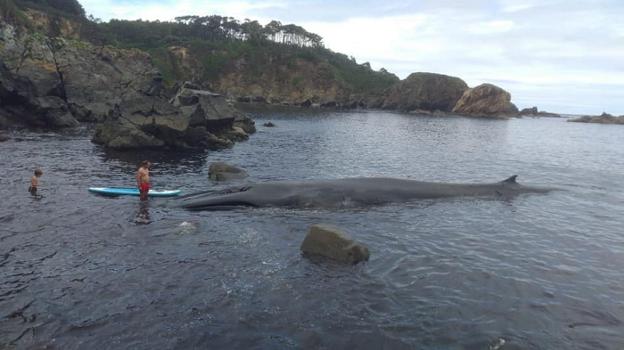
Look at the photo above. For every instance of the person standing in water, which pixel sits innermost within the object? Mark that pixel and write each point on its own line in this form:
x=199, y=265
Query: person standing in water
x=143, y=179
x=34, y=182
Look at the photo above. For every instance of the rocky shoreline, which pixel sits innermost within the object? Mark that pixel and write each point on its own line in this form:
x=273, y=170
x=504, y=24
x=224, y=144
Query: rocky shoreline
x=51, y=78
x=604, y=118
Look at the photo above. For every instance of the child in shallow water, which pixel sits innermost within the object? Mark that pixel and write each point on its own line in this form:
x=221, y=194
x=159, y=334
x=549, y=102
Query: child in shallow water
x=34, y=182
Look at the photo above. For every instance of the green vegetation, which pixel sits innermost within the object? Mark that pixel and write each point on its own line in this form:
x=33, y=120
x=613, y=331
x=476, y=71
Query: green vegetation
x=216, y=44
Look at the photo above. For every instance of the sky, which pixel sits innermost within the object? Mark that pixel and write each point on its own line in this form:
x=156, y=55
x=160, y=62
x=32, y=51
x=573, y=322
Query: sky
x=564, y=56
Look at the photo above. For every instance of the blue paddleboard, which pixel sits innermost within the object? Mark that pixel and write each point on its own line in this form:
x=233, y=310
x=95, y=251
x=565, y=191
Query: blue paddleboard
x=131, y=191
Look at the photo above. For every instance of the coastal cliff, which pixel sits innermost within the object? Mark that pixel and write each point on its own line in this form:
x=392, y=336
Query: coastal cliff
x=51, y=78
x=172, y=84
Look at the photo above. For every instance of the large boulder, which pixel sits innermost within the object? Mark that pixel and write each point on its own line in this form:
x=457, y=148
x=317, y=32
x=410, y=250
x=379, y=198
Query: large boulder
x=425, y=91
x=330, y=242
x=220, y=171
x=486, y=100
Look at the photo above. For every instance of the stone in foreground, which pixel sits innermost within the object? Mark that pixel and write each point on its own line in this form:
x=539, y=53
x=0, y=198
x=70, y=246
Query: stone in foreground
x=330, y=242
x=221, y=171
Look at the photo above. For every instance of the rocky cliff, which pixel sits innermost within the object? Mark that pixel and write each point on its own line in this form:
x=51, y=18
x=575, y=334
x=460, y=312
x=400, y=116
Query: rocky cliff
x=425, y=91
x=57, y=81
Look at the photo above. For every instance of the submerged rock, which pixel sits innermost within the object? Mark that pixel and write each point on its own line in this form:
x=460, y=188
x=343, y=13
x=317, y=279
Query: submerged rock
x=221, y=171
x=330, y=242
x=268, y=125
x=486, y=100
x=425, y=91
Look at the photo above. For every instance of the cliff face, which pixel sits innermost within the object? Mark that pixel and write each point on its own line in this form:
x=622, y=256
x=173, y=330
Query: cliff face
x=53, y=81
x=278, y=76
x=425, y=91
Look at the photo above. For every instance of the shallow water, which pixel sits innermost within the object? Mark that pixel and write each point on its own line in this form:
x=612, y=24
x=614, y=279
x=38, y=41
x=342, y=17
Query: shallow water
x=537, y=272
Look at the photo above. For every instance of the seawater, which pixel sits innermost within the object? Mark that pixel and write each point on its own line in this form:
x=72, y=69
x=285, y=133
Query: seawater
x=79, y=271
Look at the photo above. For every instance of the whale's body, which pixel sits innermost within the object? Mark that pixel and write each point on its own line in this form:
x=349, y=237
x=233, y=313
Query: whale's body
x=350, y=192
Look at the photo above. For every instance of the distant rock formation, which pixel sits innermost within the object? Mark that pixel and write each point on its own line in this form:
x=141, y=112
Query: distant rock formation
x=534, y=112
x=330, y=242
x=486, y=100
x=425, y=91
x=604, y=118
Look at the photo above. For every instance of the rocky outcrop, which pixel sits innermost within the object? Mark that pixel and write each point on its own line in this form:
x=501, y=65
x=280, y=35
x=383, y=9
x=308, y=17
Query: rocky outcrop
x=55, y=82
x=486, y=100
x=192, y=119
x=425, y=91
x=20, y=104
x=62, y=78
x=221, y=171
x=534, y=112
x=330, y=242
x=604, y=118
x=529, y=111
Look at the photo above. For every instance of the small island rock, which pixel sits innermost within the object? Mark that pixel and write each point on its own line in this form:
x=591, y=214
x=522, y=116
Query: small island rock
x=330, y=242
x=604, y=118
x=486, y=100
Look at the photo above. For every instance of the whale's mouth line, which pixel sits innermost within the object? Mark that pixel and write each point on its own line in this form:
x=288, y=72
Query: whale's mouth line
x=224, y=205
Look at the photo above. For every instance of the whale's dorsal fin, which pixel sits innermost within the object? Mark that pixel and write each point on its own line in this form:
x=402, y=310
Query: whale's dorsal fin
x=511, y=180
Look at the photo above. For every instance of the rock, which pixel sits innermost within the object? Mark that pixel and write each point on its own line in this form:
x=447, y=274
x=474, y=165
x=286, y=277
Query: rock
x=3, y=137
x=529, y=111
x=330, y=242
x=486, y=100
x=604, y=118
x=425, y=91
x=306, y=104
x=268, y=125
x=20, y=104
x=534, y=112
x=259, y=99
x=191, y=119
x=221, y=171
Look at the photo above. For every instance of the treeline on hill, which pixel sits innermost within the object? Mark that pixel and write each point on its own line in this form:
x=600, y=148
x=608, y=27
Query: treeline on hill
x=216, y=41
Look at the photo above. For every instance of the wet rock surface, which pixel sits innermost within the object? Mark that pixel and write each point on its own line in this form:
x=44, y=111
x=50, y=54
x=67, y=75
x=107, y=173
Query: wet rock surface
x=221, y=171
x=330, y=242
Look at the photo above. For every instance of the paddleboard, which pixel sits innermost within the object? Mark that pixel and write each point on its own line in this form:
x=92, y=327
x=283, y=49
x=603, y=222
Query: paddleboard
x=131, y=191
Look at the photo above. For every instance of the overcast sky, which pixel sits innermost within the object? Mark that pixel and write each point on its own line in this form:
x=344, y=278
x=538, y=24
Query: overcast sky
x=564, y=56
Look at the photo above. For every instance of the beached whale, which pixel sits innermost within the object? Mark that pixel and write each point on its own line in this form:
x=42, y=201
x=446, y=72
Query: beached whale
x=350, y=192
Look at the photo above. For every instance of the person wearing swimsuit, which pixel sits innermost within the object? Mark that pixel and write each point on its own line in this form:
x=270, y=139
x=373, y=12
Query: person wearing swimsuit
x=142, y=177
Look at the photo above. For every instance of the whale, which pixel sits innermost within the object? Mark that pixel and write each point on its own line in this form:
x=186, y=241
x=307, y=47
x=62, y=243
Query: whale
x=348, y=192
